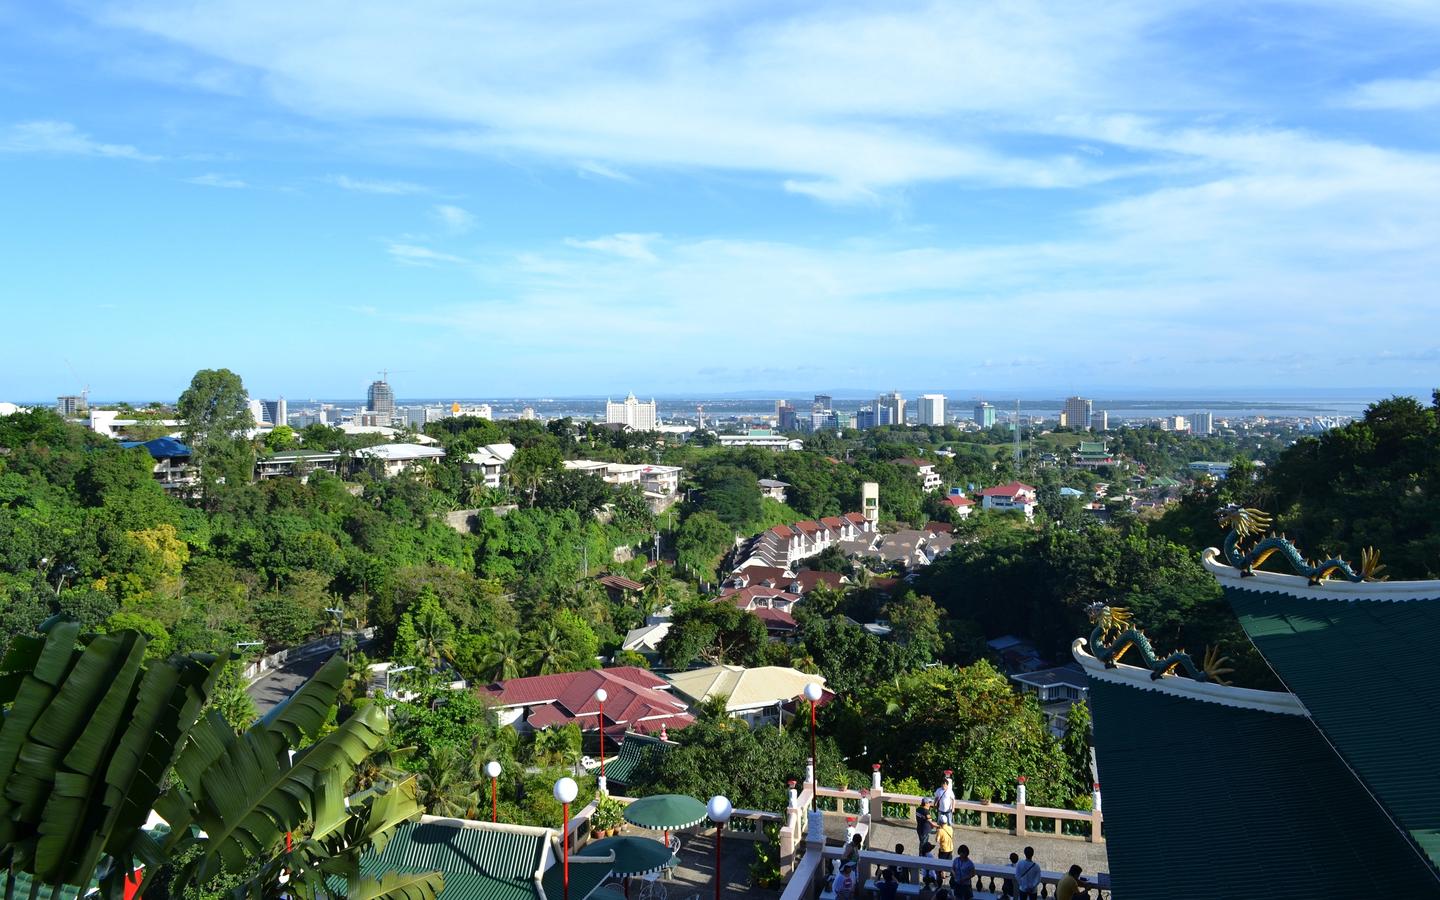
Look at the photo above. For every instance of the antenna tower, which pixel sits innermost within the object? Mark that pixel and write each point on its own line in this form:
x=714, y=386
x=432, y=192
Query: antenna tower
x=1017, y=433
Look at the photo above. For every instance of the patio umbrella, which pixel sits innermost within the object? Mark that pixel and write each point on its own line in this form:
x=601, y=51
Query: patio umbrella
x=665, y=812
x=633, y=855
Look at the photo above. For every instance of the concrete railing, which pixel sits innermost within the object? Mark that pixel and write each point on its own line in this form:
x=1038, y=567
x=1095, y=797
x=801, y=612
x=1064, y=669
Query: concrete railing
x=811, y=876
x=279, y=659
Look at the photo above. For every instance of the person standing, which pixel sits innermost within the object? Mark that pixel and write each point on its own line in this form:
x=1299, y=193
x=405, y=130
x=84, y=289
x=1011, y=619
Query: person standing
x=1027, y=876
x=888, y=886
x=845, y=882
x=962, y=874
x=924, y=825
x=945, y=840
x=945, y=800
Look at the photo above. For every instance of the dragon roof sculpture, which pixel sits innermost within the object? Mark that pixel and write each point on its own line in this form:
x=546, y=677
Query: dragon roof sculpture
x=1246, y=527
x=1115, y=634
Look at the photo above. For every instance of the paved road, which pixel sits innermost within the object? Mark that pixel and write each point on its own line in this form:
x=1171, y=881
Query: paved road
x=277, y=684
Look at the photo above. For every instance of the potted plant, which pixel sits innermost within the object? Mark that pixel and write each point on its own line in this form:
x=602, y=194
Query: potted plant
x=609, y=814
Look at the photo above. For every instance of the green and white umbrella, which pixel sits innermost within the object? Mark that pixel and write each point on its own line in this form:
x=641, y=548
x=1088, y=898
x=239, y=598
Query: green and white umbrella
x=633, y=855
x=665, y=812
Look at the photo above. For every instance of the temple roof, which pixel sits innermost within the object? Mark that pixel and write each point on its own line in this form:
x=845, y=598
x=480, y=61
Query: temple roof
x=1215, y=791
x=1358, y=657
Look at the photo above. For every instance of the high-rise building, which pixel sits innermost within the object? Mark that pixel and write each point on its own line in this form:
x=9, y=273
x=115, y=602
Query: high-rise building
x=1101, y=420
x=1077, y=413
x=785, y=418
x=984, y=414
x=1202, y=424
x=420, y=416
x=380, y=401
x=822, y=402
x=274, y=412
x=890, y=409
x=528, y=414
x=70, y=405
x=257, y=410
x=639, y=416
x=865, y=418
x=931, y=409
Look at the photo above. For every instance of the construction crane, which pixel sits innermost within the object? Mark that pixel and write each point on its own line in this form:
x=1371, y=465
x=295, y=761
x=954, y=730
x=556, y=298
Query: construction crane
x=84, y=391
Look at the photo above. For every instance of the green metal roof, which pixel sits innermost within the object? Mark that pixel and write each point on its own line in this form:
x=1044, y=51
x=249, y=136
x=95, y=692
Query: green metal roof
x=636, y=750
x=482, y=863
x=1209, y=800
x=1363, y=669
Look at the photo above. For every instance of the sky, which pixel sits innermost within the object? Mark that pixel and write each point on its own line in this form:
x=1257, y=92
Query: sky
x=557, y=199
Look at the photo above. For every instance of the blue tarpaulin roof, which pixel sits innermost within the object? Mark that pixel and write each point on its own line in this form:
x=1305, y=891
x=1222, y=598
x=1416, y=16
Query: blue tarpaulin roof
x=160, y=448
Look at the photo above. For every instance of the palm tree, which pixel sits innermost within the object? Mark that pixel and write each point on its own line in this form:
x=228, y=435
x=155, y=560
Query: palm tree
x=546, y=652
x=444, y=789
x=503, y=657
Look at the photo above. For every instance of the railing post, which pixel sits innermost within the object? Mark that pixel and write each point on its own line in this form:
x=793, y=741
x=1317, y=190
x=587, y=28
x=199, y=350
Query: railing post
x=794, y=795
x=1019, y=828
x=864, y=802
x=875, y=778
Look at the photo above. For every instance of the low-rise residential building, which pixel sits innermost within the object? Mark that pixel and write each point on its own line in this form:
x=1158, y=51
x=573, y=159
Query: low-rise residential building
x=762, y=439
x=783, y=545
x=1057, y=689
x=392, y=459
x=758, y=696
x=1013, y=497
x=660, y=482
x=172, y=462
x=637, y=701
x=489, y=463
x=775, y=490
x=929, y=479
x=109, y=423
x=297, y=464
x=959, y=504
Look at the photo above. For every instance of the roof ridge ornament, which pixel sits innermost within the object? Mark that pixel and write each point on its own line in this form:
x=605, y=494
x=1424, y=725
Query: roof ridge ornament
x=1115, y=634
x=1247, y=524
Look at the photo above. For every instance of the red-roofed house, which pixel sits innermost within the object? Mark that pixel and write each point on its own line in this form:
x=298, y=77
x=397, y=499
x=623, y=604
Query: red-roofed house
x=1013, y=496
x=960, y=503
x=806, y=581
x=752, y=598
x=637, y=701
x=758, y=576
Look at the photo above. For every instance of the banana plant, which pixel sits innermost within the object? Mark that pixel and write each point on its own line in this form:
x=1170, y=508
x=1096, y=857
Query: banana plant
x=261, y=795
x=92, y=730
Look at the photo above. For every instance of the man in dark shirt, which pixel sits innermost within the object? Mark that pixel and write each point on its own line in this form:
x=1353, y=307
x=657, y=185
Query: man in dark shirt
x=888, y=886
x=924, y=825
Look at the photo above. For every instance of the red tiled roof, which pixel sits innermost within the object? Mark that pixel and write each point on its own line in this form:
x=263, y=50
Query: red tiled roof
x=855, y=517
x=939, y=527
x=757, y=575
x=957, y=500
x=634, y=694
x=806, y=526
x=835, y=522
x=621, y=582
x=743, y=597
x=652, y=726
x=809, y=578
x=1007, y=490
x=774, y=618
x=884, y=585
x=781, y=531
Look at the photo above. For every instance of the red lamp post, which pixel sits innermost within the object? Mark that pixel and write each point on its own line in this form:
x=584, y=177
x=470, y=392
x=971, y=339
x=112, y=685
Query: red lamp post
x=601, y=696
x=813, y=693
x=492, y=768
x=719, y=810
x=565, y=791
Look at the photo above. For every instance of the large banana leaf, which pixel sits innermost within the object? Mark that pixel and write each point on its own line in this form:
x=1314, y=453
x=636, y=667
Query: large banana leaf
x=86, y=745
x=398, y=886
x=246, y=793
x=300, y=716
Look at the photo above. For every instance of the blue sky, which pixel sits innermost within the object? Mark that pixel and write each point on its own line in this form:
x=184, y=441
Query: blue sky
x=559, y=199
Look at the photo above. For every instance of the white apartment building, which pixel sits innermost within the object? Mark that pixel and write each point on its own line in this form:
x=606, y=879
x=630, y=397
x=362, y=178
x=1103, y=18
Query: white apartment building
x=929, y=478
x=1016, y=496
x=662, y=481
x=930, y=410
x=490, y=461
x=631, y=412
x=396, y=458
x=1076, y=413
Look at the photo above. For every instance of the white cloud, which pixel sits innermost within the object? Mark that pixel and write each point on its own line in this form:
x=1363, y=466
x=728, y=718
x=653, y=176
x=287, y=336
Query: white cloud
x=52, y=138
x=373, y=186
x=414, y=255
x=1396, y=93
x=630, y=246
x=216, y=180
x=590, y=167
x=455, y=219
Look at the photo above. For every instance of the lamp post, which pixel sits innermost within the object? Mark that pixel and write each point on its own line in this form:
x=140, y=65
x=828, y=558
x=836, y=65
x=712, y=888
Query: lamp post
x=720, y=811
x=813, y=692
x=565, y=791
x=601, y=696
x=492, y=768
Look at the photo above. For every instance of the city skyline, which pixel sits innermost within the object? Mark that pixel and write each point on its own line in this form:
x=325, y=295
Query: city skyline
x=1169, y=195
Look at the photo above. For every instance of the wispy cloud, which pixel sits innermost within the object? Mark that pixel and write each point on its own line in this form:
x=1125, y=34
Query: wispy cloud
x=1396, y=93
x=374, y=186
x=590, y=167
x=216, y=180
x=52, y=138
x=455, y=219
x=629, y=246
x=415, y=255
